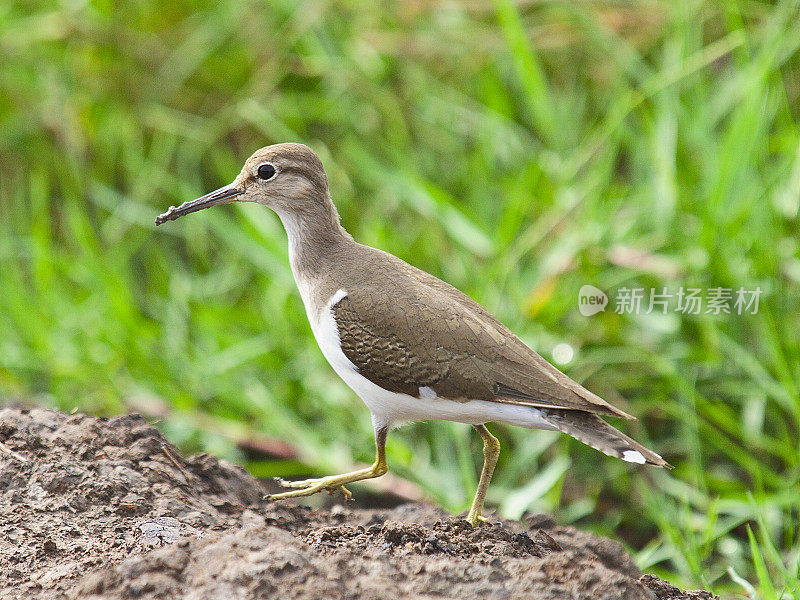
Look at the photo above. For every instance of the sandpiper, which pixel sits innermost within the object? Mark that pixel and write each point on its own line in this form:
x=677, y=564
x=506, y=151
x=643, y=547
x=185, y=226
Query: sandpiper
x=411, y=346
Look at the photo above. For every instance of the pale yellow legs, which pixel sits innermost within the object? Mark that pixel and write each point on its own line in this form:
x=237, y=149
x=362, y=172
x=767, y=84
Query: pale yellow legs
x=491, y=450
x=332, y=483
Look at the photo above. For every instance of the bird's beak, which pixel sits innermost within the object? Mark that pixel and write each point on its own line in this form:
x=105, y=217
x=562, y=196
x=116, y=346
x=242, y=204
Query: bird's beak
x=221, y=196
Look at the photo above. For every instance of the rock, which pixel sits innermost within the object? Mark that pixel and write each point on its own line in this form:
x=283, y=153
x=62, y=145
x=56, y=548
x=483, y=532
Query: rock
x=96, y=508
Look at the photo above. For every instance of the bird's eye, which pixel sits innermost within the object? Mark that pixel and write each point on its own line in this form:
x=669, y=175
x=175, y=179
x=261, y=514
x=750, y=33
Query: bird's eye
x=266, y=171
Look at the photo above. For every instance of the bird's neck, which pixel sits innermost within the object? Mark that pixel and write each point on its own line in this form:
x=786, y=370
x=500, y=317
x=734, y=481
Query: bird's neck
x=315, y=235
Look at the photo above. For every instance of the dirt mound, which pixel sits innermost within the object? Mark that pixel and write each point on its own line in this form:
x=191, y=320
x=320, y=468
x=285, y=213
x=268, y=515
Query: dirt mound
x=96, y=508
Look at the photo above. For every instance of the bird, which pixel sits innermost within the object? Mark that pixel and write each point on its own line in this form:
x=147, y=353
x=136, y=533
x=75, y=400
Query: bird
x=411, y=346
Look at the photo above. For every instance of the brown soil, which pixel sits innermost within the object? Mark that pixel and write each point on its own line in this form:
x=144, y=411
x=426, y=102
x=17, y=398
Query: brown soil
x=95, y=508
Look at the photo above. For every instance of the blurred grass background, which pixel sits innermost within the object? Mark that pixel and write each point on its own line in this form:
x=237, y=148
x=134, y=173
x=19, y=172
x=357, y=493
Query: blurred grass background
x=517, y=150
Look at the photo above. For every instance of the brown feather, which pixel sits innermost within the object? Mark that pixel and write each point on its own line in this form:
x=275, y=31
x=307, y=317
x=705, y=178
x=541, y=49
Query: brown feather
x=405, y=329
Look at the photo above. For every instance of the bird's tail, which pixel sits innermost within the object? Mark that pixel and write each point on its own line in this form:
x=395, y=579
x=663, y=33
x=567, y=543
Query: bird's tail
x=595, y=432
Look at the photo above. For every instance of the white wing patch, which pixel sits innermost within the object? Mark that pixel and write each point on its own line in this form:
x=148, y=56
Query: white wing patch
x=427, y=393
x=633, y=456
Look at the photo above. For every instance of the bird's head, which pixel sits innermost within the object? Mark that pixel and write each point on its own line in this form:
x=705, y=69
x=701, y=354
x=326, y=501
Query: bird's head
x=283, y=177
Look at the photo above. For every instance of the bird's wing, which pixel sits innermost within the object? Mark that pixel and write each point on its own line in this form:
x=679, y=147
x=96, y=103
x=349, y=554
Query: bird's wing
x=404, y=337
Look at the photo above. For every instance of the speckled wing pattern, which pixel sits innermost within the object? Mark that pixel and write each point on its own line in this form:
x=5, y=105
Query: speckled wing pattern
x=385, y=360
x=414, y=330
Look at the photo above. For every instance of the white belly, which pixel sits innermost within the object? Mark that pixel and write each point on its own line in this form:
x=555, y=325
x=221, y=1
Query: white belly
x=390, y=408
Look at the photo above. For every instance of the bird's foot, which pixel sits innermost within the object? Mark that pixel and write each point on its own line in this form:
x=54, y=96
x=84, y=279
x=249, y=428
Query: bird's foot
x=332, y=483
x=476, y=519
x=302, y=483
x=309, y=487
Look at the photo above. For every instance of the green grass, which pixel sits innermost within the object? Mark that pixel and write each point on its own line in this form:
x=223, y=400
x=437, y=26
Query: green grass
x=518, y=151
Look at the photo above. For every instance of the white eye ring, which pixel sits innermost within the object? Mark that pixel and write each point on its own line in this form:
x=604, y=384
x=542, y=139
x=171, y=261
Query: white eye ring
x=266, y=171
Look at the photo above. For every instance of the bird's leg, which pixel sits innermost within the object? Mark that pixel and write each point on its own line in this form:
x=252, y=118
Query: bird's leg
x=332, y=483
x=491, y=450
